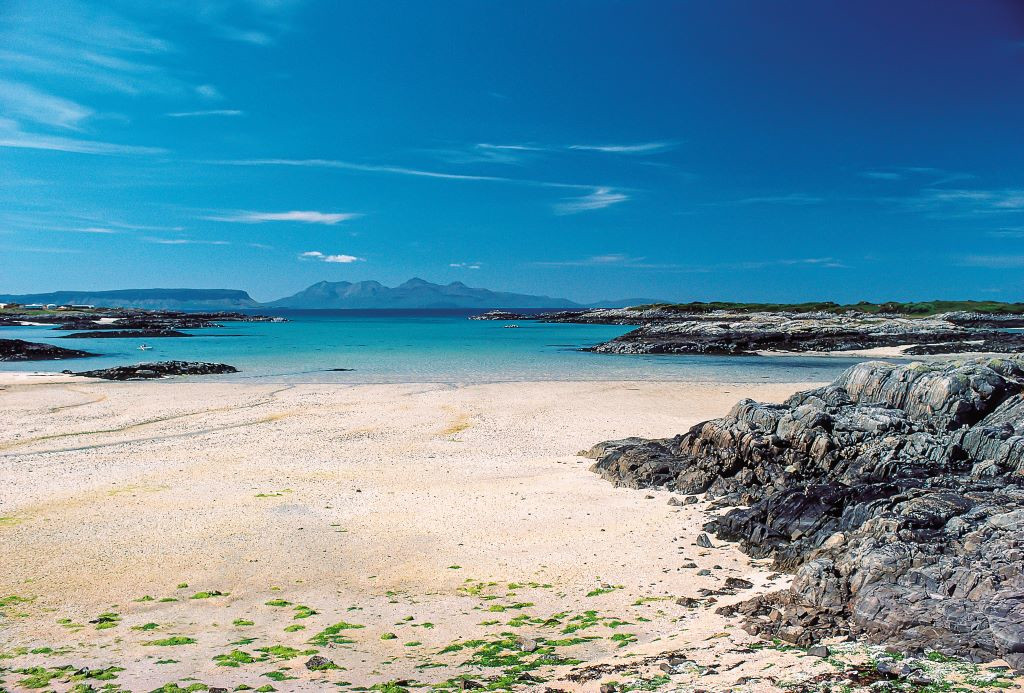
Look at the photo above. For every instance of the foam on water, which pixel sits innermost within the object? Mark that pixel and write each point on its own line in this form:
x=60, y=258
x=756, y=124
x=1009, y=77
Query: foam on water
x=420, y=346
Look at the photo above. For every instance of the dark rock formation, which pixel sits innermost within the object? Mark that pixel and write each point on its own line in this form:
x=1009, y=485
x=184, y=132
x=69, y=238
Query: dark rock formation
x=20, y=350
x=896, y=495
x=808, y=333
x=501, y=315
x=125, y=334
x=146, y=371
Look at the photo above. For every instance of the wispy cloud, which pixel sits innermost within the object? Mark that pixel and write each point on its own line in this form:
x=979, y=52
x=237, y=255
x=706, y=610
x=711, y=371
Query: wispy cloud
x=967, y=202
x=598, y=199
x=202, y=114
x=323, y=257
x=515, y=153
x=1011, y=232
x=465, y=265
x=184, y=241
x=627, y=261
x=934, y=176
x=396, y=170
x=87, y=42
x=11, y=136
x=306, y=217
x=994, y=261
x=790, y=199
x=28, y=103
x=641, y=148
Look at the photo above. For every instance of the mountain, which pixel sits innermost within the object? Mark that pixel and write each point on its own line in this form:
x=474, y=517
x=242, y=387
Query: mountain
x=154, y=299
x=415, y=293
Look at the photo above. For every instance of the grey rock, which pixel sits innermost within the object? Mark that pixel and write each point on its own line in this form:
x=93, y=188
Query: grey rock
x=895, y=494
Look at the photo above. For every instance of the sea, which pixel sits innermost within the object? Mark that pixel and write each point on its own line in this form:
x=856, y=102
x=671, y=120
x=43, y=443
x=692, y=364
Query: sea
x=418, y=346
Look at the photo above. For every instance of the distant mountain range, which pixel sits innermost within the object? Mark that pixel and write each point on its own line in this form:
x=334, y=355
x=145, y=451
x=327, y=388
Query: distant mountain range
x=368, y=295
x=153, y=299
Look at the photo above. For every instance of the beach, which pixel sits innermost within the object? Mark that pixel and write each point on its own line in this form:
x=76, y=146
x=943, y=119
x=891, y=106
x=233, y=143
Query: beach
x=219, y=533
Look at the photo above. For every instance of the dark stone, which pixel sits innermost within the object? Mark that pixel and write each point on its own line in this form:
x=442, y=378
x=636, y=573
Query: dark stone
x=20, y=350
x=704, y=541
x=734, y=583
x=320, y=663
x=818, y=651
x=126, y=334
x=895, y=495
x=144, y=371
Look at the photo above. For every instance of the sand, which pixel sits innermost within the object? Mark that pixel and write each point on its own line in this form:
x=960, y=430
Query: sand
x=243, y=520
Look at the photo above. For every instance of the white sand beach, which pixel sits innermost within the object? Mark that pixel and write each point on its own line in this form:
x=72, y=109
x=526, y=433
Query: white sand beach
x=191, y=533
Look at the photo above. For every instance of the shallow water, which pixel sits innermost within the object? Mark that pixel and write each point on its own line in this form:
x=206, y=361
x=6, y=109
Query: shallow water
x=419, y=346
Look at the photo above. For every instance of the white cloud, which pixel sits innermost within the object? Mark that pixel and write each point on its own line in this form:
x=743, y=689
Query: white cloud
x=1009, y=232
x=28, y=103
x=623, y=260
x=317, y=255
x=11, y=136
x=641, y=148
x=598, y=199
x=200, y=114
x=184, y=241
x=307, y=217
x=397, y=170
x=208, y=91
x=968, y=202
x=465, y=265
x=994, y=261
x=791, y=199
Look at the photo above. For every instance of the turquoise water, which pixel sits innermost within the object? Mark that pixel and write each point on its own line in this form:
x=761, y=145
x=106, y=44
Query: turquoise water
x=425, y=346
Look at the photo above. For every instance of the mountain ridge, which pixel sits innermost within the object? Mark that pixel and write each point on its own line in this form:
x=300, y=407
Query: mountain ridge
x=415, y=293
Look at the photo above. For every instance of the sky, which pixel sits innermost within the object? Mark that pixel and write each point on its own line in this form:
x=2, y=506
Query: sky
x=679, y=150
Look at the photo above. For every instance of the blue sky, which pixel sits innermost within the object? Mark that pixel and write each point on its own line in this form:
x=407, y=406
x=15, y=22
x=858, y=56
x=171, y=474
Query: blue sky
x=685, y=150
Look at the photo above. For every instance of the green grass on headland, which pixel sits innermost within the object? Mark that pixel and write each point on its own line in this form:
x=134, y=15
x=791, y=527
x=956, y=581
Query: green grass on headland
x=918, y=309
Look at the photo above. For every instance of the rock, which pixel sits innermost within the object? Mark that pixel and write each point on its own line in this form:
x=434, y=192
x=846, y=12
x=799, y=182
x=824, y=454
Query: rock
x=895, y=494
x=526, y=644
x=608, y=688
x=162, y=369
x=734, y=583
x=126, y=334
x=20, y=350
x=688, y=602
x=726, y=333
x=320, y=663
x=819, y=651
x=469, y=685
x=704, y=541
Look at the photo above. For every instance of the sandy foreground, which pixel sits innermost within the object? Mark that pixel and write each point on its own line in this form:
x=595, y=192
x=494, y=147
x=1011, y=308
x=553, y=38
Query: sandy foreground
x=193, y=533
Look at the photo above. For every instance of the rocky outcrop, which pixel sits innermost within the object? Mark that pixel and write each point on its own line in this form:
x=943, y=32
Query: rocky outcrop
x=20, y=350
x=125, y=334
x=895, y=494
x=148, y=371
x=807, y=333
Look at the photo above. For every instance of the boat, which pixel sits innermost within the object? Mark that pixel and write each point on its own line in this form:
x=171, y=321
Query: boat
x=513, y=325
x=144, y=347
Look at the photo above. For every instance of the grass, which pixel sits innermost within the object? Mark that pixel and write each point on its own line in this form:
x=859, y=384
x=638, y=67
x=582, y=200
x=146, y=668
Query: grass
x=237, y=658
x=106, y=620
x=331, y=635
x=173, y=641
x=284, y=651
